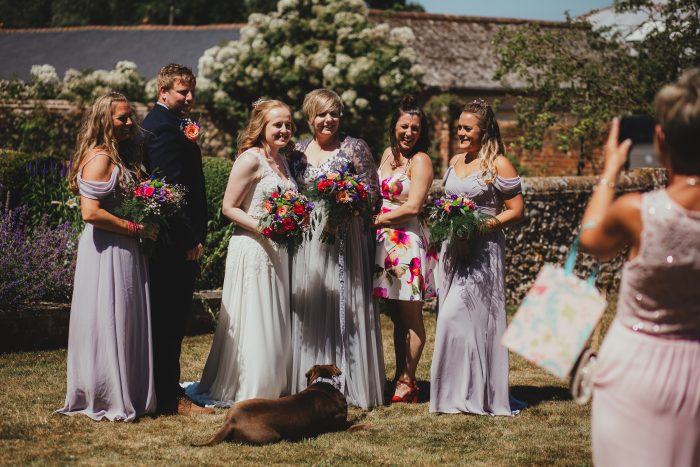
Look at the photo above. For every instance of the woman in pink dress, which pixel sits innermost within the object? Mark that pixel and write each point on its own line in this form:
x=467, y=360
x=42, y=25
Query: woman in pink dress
x=646, y=396
x=402, y=267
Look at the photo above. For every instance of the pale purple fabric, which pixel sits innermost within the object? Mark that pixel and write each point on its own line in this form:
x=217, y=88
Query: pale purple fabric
x=469, y=372
x=646, y=399
x=109, y=342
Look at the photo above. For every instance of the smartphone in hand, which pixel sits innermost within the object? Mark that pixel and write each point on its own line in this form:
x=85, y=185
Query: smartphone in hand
x=640, y=130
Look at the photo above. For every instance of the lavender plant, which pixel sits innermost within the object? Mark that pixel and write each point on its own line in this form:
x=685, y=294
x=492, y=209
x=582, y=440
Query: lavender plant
x=36, y=264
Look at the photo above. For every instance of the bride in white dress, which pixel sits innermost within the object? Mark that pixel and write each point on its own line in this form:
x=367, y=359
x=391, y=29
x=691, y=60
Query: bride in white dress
x=251, y=353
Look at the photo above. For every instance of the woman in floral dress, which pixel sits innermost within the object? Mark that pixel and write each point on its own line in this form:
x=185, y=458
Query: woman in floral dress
x=403, y=264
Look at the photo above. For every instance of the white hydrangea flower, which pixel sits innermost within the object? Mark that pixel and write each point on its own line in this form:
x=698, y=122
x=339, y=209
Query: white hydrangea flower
x=286, y=51
x=293, y=93
x=204, y=84
x=248, y=33
x=385, y=83
x=320, y=58
x=344, y=33
x=401, y=36
x=44, y=74
x=253, y=72
x=361, y=103
x=276, y=61
x=349, y=19
x=342, y=60
x=286, y=5
x=349, y=96
x=71, y=74
x=258, y=19
x=300, y=61
x=151, y=88
x=276, y=24
x=220, y=96
x=259, y=43
x=358, y=67
x=126, y=66
x=330, y=72
x=408, y=53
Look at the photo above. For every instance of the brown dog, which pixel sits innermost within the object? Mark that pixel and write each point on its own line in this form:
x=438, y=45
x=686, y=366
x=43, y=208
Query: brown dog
x=320, y=408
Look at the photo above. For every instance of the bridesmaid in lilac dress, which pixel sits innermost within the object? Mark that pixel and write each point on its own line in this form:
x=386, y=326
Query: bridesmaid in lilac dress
x=646, y=388
x=110, y=371
x=469, y=373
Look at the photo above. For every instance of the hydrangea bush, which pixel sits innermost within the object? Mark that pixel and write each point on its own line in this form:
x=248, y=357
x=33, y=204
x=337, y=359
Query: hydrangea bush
x=307, y=44
x=83, y=85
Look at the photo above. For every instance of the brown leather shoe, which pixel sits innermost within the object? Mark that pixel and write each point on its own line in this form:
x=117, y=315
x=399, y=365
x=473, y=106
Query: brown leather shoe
x=185, y=406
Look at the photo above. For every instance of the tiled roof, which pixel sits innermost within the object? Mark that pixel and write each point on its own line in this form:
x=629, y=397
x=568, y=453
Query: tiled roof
x=101, y=47
x=456, y=51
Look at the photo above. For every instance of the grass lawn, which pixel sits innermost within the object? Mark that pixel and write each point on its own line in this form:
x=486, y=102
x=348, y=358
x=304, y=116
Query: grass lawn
x=552, y=431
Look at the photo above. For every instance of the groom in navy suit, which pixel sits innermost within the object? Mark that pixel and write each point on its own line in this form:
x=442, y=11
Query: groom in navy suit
x=172, y=153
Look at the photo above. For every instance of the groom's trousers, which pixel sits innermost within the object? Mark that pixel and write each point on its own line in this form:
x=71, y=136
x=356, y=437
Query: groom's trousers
x=172, y=284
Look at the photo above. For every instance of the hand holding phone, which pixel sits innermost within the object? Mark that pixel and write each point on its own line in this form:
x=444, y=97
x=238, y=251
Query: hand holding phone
x=640, y=130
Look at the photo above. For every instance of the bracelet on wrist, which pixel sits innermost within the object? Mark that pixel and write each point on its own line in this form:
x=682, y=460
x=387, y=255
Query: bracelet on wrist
x=604, y=182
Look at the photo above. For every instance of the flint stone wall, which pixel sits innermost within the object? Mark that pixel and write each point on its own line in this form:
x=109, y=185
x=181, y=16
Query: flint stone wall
x=553, y=210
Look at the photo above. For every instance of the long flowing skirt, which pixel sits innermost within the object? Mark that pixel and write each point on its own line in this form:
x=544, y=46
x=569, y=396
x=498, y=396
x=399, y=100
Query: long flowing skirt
x=646, y=401
x=316, y=319
x=469, y=372
x=250, y=356
x=110, y=362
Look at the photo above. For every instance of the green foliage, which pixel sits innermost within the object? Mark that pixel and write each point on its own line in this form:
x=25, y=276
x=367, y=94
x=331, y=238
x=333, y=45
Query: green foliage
x=39, y=182
x=441, y=109
x=38, y=130
x=577, y=77
x=219, y=229
x=307, y=44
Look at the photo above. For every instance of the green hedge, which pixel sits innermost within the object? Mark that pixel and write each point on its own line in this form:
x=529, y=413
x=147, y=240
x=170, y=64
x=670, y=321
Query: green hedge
x=219, y=229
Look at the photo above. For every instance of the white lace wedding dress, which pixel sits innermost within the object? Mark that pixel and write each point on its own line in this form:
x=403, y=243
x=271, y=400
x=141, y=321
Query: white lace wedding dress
x=251, y=355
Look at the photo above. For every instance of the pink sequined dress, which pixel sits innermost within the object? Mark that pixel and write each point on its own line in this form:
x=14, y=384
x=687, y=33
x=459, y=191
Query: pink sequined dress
x=646, y=400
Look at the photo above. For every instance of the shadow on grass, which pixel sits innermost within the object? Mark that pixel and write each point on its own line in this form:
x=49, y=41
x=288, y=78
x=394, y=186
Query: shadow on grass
x=534, y=395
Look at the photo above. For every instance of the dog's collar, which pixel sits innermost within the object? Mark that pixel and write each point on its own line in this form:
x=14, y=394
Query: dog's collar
x=333, y=381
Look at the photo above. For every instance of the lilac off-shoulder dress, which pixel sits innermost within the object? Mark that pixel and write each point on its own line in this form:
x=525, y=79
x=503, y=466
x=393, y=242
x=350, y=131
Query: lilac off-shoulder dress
x=469, y=372
x=110, y=365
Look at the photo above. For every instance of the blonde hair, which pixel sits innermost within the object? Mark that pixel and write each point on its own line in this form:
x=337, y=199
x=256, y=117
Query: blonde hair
x=491, y=142
x=253, y=134
x=97, y=133
x=173, y=72
x=319, y=101
x=677, y=108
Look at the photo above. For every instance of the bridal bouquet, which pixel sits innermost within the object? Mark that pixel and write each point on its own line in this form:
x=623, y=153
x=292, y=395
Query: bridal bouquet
x=286, y=218
x=151, y=201
x=345, y=195
x=455, y=218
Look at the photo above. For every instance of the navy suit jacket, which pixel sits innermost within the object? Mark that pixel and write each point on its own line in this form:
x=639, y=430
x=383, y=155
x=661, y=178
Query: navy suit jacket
x=170, y=155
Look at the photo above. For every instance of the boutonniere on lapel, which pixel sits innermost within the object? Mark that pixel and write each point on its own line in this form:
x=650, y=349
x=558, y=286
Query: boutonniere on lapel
x=190, y=128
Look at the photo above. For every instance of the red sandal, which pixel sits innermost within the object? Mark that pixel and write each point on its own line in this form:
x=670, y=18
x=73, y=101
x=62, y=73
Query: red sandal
x=411, y=397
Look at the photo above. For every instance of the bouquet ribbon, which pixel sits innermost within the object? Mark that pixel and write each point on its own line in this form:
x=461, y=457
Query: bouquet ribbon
x=341, y=301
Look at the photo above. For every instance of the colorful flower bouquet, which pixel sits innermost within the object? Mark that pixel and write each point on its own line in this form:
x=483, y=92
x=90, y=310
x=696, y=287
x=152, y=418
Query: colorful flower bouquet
x=151, y=201
x=345, y=195
x=456, y=219
x=287, y=218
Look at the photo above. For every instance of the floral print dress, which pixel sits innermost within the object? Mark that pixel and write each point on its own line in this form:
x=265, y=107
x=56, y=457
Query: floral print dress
x=404, y=265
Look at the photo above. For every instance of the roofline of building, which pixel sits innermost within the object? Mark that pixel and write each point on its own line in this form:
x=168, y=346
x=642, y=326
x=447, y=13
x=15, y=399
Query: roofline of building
x=463, y=19
x=140, y=27
x=373, y=13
